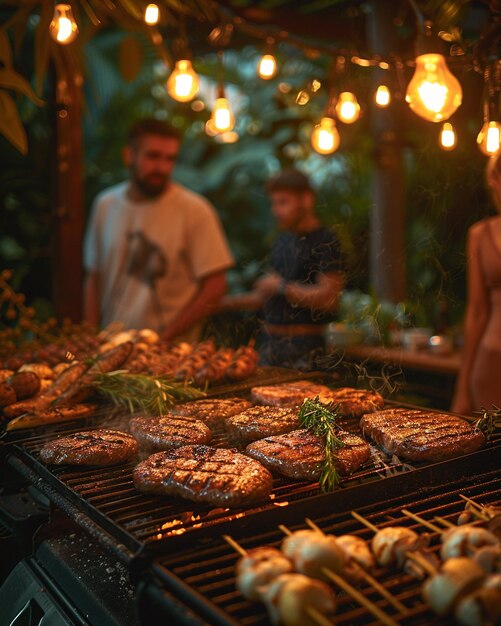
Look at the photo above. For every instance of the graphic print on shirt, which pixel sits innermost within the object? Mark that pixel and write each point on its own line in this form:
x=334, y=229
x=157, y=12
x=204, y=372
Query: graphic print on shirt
x=146, y=260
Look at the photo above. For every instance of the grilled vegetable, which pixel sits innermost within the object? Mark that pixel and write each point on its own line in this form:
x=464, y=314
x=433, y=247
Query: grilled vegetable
x=52, y=416
x=26, y=384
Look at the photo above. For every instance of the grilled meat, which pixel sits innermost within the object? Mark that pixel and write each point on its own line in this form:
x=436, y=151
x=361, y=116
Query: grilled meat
x=300, y=454
x=212, y=412
x=356, y=402
x=203, y=474
x=421, y=435
x=243, y=364
x=214, y=370
x=168, y=431
x=262, y=421
x=95, y=447
x=288, y=394
x=195, y=360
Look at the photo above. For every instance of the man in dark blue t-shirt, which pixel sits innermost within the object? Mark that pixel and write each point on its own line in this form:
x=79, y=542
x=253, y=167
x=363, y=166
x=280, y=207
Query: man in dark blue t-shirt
x=299, y=293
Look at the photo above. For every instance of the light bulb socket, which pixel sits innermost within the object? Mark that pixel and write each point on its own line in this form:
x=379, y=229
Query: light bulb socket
x=428, y=42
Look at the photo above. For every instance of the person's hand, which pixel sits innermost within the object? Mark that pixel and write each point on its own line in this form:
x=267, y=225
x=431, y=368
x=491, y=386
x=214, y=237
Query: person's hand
x=268, y=284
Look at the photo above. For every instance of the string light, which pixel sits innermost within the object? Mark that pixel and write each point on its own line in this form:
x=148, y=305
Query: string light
x=434, y=93
x=183, y=83
x=63, y=28
x=447, y=139
x=222, y=118
x=267, y=67
x=382, y=97
x=325, y=137
x=347, y=107
x=152, y=14
x=489, y=138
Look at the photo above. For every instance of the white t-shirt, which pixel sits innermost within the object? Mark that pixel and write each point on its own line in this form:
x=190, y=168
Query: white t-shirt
x=151, y=255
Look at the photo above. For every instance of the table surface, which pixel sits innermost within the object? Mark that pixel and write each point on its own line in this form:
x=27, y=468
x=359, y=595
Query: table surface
x=418, y=359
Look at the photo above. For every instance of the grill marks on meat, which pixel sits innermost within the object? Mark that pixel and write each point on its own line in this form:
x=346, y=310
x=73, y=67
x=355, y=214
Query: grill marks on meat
x=300, y=454
x=262, y=421
x=168, y=431
x=288, y=394
x=212, y=412
x=215, y=476
x=420, y=435
x=96, y=447
x=354, y=402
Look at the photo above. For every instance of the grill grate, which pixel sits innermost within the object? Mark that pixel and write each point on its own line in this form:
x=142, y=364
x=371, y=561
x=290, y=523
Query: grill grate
x=208, y=585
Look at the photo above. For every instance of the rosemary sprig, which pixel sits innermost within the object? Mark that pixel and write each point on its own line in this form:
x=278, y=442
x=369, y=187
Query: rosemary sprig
x=153, y=395
x=321, y=420
x=489, y=422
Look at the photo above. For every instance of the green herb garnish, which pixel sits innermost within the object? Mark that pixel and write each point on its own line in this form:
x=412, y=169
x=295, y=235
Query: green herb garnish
x=321, y=420
x=489, y=422
x=153, y=395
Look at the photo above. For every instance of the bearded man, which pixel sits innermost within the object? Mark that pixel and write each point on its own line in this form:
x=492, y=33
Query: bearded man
x=155, y=253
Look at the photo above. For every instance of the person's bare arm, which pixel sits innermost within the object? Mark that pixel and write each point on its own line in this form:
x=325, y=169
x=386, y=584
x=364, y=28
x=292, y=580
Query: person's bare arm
x=477, y=314
x=91, y=298
x=212, y=288
x=322, y=295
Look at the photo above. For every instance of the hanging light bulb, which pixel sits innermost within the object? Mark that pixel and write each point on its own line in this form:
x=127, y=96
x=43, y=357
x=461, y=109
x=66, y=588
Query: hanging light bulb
x=382, y=97
x=267, y=67
x=152, y=14
x=434, y=93
x=222, y=119
x=489, y=138
x=325, y=137
x=347, y=107
x=63, y=28
x=183, y=83
x=447, y=138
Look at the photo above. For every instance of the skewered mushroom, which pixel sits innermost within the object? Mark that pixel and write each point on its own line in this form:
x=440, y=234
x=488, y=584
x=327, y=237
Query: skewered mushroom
x=356, y=549
x=258, y=568
x=391, y=544
x=457, y=577
x=482, y=607
x=311, y=550
x=465, y=541
x=289, y=599
x=489, y=558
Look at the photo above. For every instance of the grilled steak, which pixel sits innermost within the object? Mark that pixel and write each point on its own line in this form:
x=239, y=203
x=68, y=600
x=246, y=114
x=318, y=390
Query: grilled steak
x=288, y=394
x=204, y=474
x=262, y=421
x=354, y=402
x=95, y=447
x=419, y=435
x=212, y=412
x=300, y=454
x=168, y=431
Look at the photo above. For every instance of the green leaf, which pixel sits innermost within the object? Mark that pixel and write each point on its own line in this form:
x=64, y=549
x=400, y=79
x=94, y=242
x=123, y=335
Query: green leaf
x=9, y=79
x=130, y=58
x=10, y=123
x=5, y=51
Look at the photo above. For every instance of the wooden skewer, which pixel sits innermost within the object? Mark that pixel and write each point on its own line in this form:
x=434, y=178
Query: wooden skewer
x=368, y=578
x=421, y=521
x=444, y=522
x=477, y=509
x=360, y=598
x=285, y=530
x=364, y=521
x=312, y=611
x=470, y=501
x=422, y=562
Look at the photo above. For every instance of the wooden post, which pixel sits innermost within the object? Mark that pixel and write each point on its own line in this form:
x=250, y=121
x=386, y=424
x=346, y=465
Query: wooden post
x=67, y=272
x=387, y=236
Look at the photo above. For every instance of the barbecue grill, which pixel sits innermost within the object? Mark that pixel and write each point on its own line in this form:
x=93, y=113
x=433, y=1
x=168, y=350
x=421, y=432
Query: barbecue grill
x=155, y=537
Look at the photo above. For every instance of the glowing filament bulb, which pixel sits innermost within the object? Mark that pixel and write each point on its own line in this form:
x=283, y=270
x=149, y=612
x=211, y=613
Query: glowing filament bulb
x=222, y=118
x=267, y=67
x=447, y=138
x=434, y=93
x=489, y=138
x=325, y=137
x=383, y=96
x=347, y=107
x=183, y=83
x=152, y=14
x=63, y=28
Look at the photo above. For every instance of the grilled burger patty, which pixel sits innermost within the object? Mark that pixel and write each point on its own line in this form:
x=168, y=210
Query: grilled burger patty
x=288, y=394
x=420, y=435
x=95, y=447
x=262, y=421
x=300, y=454
x=203, y=474
x=354, y=402
x=212, y=412
x=168, y=431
